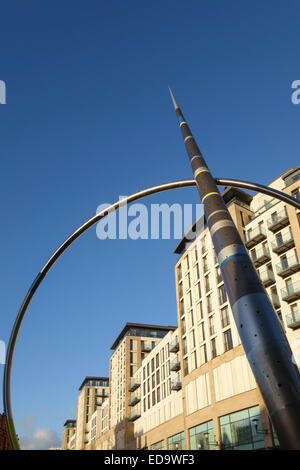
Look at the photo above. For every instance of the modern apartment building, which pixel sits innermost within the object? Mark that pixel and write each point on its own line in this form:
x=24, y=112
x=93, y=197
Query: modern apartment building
x=192, y=387
x=93, y=392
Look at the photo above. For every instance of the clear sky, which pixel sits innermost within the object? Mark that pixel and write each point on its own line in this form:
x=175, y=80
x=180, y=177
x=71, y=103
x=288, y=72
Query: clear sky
x=88, y=118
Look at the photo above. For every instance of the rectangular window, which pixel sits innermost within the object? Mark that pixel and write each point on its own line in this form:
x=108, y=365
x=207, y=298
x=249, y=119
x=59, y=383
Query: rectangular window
x=200, y=311
x=209, y=303
x=213, y=348
x=207, y=283
x=222, y=295
x=228, y=340
x=211, y=325
x=198, y=291
x=203, y=354
x=157, y=360
x=185, y=366
x=225, y=317
x=205, y=265
x=202, y=331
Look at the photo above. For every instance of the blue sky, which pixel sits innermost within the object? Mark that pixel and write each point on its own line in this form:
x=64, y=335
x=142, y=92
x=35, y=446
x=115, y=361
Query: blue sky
x=88, y=118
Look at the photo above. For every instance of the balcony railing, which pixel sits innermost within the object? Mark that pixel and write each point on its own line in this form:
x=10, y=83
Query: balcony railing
x=275, y=300
x=175, y=364
x=135, y=414
x=176, y=384
x=133, y=385
x=267, y=277
x=261, y=256
x=291, y=292
x=293, y=320
x=282, y=244
x=288, y=266
x=134, y=399
x=278, y=221
x=255, y=236
x=174, y=346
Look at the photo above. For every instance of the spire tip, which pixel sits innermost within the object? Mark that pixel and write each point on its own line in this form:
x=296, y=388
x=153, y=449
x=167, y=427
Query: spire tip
x=173, y=99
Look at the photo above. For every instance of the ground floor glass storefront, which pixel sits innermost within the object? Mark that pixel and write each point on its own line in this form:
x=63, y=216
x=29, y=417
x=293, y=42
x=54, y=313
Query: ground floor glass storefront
x=158, y=446
x=176, y=442
x=202, y=436
x=242, y=430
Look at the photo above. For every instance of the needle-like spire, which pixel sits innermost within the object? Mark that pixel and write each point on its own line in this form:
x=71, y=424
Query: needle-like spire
x=173, y=99
x=262, y=336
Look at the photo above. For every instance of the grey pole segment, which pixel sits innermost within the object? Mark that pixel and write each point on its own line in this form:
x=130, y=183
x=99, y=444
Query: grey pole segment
x=262, y=336
x=44, y=271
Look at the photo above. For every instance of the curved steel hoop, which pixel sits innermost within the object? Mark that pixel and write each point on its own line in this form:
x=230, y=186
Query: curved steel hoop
x=46, y=268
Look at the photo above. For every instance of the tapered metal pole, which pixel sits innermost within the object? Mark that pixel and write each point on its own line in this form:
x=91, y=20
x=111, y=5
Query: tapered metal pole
x=262, y=336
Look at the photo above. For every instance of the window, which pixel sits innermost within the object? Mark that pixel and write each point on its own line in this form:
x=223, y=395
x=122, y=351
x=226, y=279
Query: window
x=158, y=446
x=202, y=436
x=207, y=283
x=228, y=340
x=211, y=325
x=157, y=360
x=203, y=354
x=225, y=317
x=209, y=303
x=200, y=311
x=296, y=194
x=242, y=430
x=195, y=359
x=213, y=348
x=198, y=290
x=185, y=366
x=193, y=342
x=188, y=281
x=196, y=271
x=187, y=262
x=222, y=295
x=205, y=265
x=176, y=442
x=191, y=318
x=202, y=332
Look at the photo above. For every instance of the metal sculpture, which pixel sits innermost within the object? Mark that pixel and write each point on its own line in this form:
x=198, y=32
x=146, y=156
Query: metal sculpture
x=262, y=336
x=75, y=235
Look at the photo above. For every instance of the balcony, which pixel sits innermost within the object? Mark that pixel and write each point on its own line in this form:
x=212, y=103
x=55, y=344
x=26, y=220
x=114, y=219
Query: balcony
x=255, y=236
x=146, y=347
x=278, y=221
x=135, y=414
x=133, y=385
x=288, y=266
x=282, y=244
x=174, y=346
x=293, y=320
x=267, y=277
x=275, y=300
x=261, y=256
x=176, y=384
x=175, y=364
x=134, y=399
x=291, y=292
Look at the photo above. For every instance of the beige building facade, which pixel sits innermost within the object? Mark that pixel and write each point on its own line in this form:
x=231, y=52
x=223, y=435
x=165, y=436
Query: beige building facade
x=193, y=388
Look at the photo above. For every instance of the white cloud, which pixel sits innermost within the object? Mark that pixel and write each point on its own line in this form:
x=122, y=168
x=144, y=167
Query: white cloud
x=41, y=439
